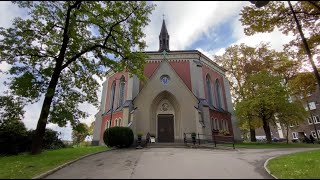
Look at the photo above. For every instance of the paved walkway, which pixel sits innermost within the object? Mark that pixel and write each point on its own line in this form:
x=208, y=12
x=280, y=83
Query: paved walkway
x=183, y=163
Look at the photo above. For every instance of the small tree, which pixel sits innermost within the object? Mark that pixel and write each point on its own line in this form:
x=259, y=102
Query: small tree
x=80, y=132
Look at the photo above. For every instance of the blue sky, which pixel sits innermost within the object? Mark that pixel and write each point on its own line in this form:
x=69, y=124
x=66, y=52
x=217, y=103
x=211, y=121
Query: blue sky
x=220, y=38
x=208, y=26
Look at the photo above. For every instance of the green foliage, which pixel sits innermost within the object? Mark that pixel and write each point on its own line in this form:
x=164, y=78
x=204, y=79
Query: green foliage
x=11, y=109
x=80, y=132
x=302, y=84
x=266, y=98
x=14, y=138
x=118, y=136
x=241, y=61
x=69, y=44
x=278, y=15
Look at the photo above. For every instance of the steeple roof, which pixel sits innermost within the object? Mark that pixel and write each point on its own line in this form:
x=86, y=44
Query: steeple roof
x=164, y=28
x=164, y=38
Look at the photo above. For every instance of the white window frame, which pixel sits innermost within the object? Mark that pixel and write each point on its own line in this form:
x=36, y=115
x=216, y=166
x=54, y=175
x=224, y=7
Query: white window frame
x=309, y=120
x=318, y=132
x=314, y=134
x=294, y=135
x=316, y=119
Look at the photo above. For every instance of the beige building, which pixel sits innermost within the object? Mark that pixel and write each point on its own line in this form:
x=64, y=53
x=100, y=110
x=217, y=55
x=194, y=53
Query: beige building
x=185, y=92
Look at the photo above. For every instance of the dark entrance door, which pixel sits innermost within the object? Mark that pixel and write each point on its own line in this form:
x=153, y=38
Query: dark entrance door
x=165, y=128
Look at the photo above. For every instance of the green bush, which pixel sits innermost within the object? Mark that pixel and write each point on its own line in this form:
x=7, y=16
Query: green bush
x=118, y=136
x=13, y=138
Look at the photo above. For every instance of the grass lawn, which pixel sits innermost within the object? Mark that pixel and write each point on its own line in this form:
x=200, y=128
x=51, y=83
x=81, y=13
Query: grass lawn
x=252, y=145
x=25, y=166
x=304, y=165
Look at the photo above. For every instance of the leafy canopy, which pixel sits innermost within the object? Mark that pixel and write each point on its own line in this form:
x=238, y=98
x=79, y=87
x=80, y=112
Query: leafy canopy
x=79, y=39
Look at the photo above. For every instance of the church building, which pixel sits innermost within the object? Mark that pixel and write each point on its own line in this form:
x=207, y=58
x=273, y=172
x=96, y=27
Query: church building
x=185, y=92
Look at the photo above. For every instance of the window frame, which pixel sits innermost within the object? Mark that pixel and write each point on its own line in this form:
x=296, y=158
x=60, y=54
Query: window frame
x=294, y=135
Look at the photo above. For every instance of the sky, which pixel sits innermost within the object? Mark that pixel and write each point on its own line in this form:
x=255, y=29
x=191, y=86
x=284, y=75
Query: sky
x=207, y=26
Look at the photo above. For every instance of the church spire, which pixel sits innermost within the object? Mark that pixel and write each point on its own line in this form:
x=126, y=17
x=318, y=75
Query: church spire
x=164, y=38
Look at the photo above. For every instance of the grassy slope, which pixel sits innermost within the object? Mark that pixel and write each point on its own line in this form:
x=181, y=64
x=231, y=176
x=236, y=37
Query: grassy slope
x=28, y=166
x=304, y=165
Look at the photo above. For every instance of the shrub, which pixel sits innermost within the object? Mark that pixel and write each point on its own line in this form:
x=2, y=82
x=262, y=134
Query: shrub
x=13, y=138
x=50, y=140
x=118, y=136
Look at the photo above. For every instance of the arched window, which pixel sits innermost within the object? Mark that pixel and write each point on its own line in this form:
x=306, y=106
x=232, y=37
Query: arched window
x=121, y=91
x=219, y=94
x=212, y=122
x=119, y=122
x=227, y=128
x=116, y=122
x=209, y=92
x=217, y=124
x=106, y=126
x=112, y=93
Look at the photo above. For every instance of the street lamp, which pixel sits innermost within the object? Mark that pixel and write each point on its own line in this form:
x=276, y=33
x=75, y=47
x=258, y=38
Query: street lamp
x=259, y=4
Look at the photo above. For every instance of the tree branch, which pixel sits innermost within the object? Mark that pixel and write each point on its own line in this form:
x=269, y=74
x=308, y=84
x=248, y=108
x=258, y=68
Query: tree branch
x=98, y=45
x=315, y=5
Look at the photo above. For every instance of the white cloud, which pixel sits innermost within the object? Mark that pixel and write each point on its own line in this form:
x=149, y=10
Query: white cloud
x=187, y=21
x=8, y=12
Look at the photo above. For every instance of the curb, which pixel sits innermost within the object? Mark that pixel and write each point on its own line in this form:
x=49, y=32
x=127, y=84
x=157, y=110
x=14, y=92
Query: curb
x=265, y=167
x=43, y=175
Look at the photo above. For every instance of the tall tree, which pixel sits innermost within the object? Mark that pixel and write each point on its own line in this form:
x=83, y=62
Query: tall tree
x=241, y=61
x=278, y=15
x=58, y=51
x=266, y=98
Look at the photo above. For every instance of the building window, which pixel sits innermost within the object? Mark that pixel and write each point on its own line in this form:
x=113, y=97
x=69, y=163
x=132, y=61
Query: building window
x=213, y=123
x=318, y=132
x=227, y=128
x=209, y=92
x=294, y=135
x=119, y=122
x=217, y=124
x=314, y=134
x=316, y=119
x=309, y=120
x=219, y=94
x=112, y=94
x=121, y=91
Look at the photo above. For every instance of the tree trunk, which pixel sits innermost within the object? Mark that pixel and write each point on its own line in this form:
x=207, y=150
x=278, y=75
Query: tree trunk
x=266, y=129
x=253, y=135
x=287, y=133
x=42, y=122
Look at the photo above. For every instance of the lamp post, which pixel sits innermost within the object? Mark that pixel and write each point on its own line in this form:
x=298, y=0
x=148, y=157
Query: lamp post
x=259, y=4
